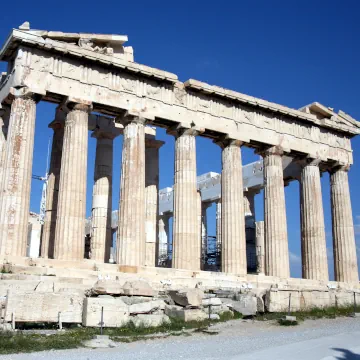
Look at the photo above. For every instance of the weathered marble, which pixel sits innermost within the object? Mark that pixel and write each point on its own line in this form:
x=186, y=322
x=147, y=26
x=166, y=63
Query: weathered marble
x=186, y=239
x=101, y=233
x=218, y=224
x=52, y=188
x=233, y=253
x=313, y=241
x=131, y=232
x=345, y=259
x=260, y=247
x=152, y=147
x=4, y=125
x=71, y=211
x=15, y=198
x=276, y=240
x=163, y=247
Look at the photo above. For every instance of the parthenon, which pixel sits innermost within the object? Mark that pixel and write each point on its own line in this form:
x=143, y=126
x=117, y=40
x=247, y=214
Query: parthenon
x=98, y=87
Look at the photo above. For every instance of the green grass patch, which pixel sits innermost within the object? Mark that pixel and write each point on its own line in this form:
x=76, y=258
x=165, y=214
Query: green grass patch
x=314, y=313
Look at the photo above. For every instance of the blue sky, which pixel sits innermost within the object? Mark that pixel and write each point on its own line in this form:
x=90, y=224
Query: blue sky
x=289, y=52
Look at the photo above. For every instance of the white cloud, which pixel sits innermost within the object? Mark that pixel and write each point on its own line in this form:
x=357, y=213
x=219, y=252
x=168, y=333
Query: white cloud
x=294, y=258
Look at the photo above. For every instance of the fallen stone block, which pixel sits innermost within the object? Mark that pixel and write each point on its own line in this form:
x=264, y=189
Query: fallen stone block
x=214, y=317
x=147, y=307
x=138, y=288
x=260, y=305
x=131, y=300
x=107, y=287
x=115, y=314
x=246, y=305
x=150, y=320
x=188, y=297
x=185, y=314
x=219, y=309
x=44, y=307
x=211, y=302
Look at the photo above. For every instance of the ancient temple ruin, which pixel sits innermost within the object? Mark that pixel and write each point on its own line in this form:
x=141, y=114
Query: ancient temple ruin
x=100, y=88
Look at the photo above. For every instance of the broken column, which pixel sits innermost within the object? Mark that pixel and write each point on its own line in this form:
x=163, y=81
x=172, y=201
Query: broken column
x=15, y=199
x=131, y=232
x=233, y=251
x=186, y=239
x=52, y=188
x=152, y=147
x=313, y=241
x=101, y=232
x=276, y=240
x=345, y=259
x=71, y=211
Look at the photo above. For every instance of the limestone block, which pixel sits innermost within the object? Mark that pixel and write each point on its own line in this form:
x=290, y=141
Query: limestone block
x=260, y=305
x=116, y=312
x=185, y=314
x=130, y=300
x=107, y=287
x=44, y=307
x=188, y=297
x=18, y=286
x=150, y=320
x=219, y=309
x=278, y=301
x=211, y=301
x=246, y=304
x=214, y=317
x=147, y=307
x=138, y=288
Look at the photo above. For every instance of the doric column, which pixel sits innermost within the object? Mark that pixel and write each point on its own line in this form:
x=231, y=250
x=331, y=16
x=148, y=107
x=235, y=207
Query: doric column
x=71, y=211
x=52, y=187
x=276, y=240
x=186, y=239
x=249, y=203
x=101, y=232
x=233, y=251
x=345, y=259
x=4, y=125
x=204, y=232
x=15, y=204
x=163, y=239
x=152, y=147
x=260, y=247
x=218, y=224
x=313, y=241
x=131, y=233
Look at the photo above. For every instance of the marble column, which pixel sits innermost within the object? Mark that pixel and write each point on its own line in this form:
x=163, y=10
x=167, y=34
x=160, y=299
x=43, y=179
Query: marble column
x=249, y=203
x=52, y=188
x=260, y=247
x=186, y=239
x=152, y=147
x=218, y=224
x=71, y=211
x=233, y=251
x=163, y=239
x=101, y=232
x=345, y=259
x=204, y=232
x=4, y=125
x=16, y=186
x=276, y=239
x=131, y=233
x=313, y=241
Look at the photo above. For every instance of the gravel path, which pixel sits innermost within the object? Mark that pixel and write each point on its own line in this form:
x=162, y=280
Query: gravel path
x=236, y=340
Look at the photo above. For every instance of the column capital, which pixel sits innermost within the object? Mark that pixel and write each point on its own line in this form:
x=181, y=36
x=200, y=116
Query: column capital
x=128, y=118
x=271, y=150
x=308, y=161
x=225, y=141
x=25, y=93
x=339, y=167
x=59, y=121
x=183, y=129
x=104, y=134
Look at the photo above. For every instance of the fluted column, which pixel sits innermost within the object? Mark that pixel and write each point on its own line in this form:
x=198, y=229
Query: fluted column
x=71, y=211
x=163, y=239
x=260, y=247
x=15, y=203
x=186, y=239
x=233, y=252
x=218, y=224
x=52, y=188
x=276, y=239
x=101, y=232
x=131, y=233
x=152, y=147
x=4, y=125
x=345, y=259
x=204, y=231
x=313, y=241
